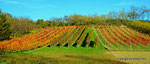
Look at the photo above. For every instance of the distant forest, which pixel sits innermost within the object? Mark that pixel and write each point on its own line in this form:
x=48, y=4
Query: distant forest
x=137, y=18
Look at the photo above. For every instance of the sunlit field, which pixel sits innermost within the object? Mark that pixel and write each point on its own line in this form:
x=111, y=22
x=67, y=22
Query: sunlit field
x=76, y=44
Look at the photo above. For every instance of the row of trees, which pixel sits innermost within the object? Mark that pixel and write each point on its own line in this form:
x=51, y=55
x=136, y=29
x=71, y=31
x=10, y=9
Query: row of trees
x=137, y=18
x=140, y=26
x=11, y=27
x=113, y=17
x=4, y=27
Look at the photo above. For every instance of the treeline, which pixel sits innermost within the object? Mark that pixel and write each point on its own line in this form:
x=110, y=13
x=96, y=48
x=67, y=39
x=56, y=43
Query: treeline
x=137, y=18
x=113, y=17
x=141, y=26
x=11, y=27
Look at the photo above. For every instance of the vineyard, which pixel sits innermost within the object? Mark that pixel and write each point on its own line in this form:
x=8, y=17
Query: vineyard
x=122, y=38
x=110, y=37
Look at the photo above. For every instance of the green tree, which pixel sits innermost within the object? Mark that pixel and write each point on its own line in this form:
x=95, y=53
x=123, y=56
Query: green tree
x=41, y=23
x=4, y=27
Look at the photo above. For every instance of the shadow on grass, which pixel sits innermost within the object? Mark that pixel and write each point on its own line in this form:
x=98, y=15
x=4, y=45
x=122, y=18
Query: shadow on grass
x=84, y=42
x=75, y=44
x=91, y=44
x=66, y=45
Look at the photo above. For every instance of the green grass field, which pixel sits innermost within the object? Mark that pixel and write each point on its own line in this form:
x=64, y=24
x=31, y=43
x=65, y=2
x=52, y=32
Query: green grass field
x=63, y=55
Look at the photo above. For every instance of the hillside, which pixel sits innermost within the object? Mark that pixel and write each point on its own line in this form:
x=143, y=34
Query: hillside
x=111, y=37
x=77, y=40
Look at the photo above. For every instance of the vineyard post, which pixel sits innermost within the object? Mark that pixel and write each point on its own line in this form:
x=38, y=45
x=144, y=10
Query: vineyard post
x=99, y=37
x=131, y=46
x=148, y=45
x=139, y=44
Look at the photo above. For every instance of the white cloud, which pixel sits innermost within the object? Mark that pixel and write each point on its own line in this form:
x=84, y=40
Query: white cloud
x=28, y=5
x=12, y=2
x=9, y=2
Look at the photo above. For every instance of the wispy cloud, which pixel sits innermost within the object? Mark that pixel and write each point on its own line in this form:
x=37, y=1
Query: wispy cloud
x=125, y=3
x=9, y=2
x=28, y=5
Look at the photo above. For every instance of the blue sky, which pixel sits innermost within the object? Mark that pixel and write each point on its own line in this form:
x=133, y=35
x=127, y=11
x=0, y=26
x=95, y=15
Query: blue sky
x=46, y=9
